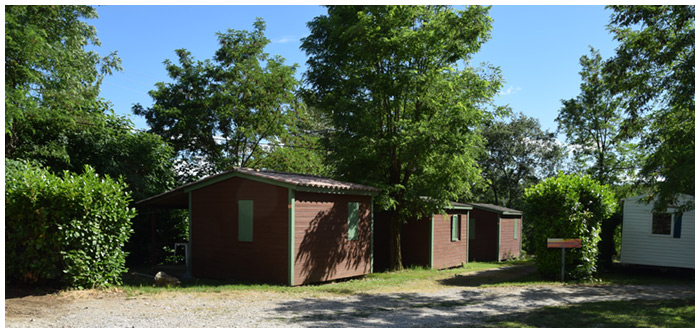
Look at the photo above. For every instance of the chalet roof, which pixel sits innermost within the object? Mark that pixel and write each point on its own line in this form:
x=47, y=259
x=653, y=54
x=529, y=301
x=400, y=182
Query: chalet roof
x=497, y=209
x=298, y=179
x=178, y=197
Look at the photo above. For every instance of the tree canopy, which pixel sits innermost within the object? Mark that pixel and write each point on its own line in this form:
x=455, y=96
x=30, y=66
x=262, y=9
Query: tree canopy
x=654, y=70
x=404, y=114
x=220, y=113
x=592, y=123
x=51, y=81
x=518, y=153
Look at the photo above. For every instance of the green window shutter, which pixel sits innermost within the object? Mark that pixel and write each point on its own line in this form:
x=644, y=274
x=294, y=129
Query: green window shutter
x=353, y=219
x=472, y=228
x=245, y=220
x=455, y=228
x=515, y=229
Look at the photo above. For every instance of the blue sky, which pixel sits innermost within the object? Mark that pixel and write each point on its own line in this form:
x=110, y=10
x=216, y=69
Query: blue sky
x=537, y=47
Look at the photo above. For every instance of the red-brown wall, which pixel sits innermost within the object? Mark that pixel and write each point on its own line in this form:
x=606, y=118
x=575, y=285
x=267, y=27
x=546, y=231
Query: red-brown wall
x=447, y=253
x=216, y=251
x=322, y=249
x=484, y=247
x=510, y=246
x=415, y=243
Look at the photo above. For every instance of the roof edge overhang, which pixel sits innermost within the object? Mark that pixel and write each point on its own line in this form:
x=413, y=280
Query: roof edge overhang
x=499, y=212
x=184, y=190
x=458, y=206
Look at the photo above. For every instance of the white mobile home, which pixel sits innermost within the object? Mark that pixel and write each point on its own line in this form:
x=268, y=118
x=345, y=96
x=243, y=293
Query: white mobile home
x=654, y=239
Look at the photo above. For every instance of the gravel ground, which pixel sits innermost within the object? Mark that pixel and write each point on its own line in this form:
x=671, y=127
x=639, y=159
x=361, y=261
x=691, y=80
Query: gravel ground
x=448, y=307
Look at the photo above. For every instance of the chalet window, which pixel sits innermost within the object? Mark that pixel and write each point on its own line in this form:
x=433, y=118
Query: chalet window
x=245, y=220
x=515, y=228
x=353, y=219
x=472, y=228
x=661, y=224
x=456, y=228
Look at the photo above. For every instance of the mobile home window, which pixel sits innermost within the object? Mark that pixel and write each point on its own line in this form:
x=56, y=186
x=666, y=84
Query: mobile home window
x=661, y=224
x=353, y=219
x=455, y=228
x=245, y=220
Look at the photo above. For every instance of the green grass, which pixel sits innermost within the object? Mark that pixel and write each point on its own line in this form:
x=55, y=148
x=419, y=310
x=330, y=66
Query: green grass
x=627, y=314
x=410, y=279
x=415, y=279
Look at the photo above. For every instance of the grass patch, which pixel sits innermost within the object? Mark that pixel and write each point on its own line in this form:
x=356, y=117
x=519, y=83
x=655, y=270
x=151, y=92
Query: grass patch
x=407, y=280
x=627, y=314
x=417, y=279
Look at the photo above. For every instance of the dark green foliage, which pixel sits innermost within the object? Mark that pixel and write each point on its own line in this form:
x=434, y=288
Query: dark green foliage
x=518, y=154
x=68, y=230
x=654, y=70
x=49, y=77
x=111, y=146
x=609, y=240
x=568, y=206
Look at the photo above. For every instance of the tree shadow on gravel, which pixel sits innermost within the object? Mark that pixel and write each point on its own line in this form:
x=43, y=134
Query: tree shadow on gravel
x=380, y=311
x=519, y=273
x=454, y=308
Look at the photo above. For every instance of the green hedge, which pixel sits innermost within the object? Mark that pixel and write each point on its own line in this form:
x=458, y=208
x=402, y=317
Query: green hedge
x=568, y=206
x=67, y=230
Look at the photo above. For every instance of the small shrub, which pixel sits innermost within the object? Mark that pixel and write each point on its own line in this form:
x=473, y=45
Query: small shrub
x=568, y=206
x=68, y=230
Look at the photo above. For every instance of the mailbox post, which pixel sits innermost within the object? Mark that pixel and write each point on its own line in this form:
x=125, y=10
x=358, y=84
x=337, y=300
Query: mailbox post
x=563, y=244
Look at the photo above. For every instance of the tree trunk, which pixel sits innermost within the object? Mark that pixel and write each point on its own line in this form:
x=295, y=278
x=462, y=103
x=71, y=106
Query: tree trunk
x=395, y=259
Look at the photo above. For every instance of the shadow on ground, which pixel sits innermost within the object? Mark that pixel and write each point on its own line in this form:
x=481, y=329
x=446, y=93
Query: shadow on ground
x=472, y=307
x=519, y=273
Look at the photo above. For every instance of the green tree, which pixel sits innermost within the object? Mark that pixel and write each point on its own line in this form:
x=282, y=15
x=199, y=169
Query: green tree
x=568, y=206
x=518, y=154
x=300, y=149
x=404, y=113
x=654, y=70
x=51, y=81
x=592, y=123
x=219, y=114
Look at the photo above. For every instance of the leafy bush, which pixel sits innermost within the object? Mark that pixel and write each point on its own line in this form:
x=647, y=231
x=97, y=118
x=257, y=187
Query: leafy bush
x=67, y=230
x=568, y=206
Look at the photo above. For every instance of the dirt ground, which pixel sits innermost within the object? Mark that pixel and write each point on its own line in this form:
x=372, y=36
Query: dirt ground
x=455, y=305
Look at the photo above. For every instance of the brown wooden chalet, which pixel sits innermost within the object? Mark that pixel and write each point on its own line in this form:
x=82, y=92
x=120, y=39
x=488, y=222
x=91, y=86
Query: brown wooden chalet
x=275, y=227
x=435, y=241
x=495, y=233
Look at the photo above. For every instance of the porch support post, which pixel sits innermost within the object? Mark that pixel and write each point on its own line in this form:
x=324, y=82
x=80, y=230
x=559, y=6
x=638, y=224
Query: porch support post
x=154, y=247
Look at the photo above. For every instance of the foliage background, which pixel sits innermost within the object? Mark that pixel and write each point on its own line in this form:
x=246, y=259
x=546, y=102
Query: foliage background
x=568, y=206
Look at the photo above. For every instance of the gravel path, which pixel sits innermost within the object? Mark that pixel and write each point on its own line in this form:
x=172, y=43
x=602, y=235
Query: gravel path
x=448, y=307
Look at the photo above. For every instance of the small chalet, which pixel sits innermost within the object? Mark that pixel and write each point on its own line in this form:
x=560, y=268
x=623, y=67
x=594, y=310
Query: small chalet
x=664, y=239
x=274, y=227
x=437, y=241
x=495, y=233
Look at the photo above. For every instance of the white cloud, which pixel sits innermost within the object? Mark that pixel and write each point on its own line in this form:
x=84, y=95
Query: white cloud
x=510, y=90
x=285, y=39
